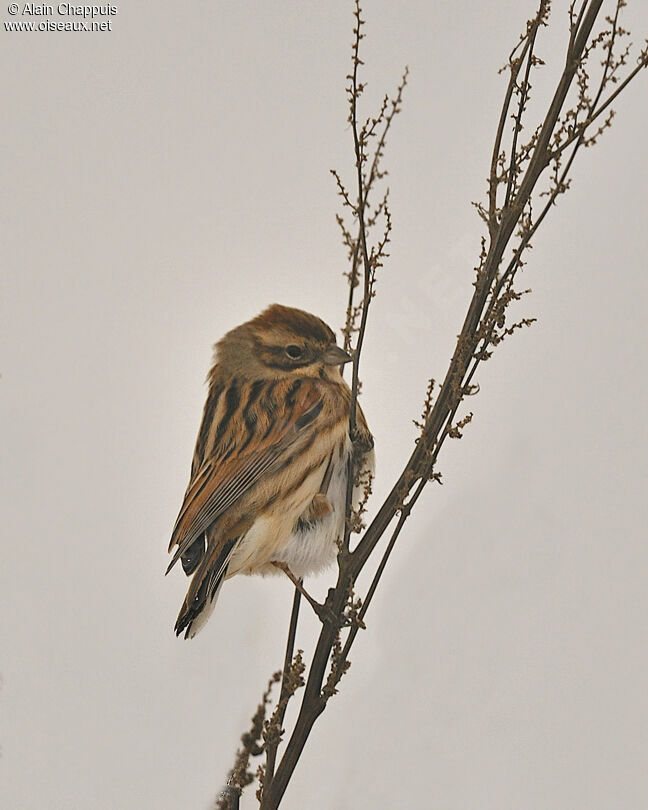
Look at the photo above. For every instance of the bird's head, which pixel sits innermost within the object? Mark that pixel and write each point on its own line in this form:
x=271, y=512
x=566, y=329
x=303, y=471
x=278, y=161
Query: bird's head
x=282, y=342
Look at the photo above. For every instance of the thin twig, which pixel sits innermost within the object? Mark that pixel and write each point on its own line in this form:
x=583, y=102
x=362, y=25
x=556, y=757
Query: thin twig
x=358, y=145
x=271, y=750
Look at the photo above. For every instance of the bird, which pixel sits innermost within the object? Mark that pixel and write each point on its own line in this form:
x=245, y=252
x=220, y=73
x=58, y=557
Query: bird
x=268, y=483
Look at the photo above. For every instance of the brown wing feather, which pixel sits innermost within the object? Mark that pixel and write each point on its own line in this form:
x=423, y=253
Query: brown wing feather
x=251, y=439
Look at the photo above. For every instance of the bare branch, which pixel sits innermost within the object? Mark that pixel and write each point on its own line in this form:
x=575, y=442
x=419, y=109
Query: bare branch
x=272, y=743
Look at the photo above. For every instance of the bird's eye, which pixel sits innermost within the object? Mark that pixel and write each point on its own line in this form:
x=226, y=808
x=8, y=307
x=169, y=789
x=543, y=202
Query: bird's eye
x=294, y=352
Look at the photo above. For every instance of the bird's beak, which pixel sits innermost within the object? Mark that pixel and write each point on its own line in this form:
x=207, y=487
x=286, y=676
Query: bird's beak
x=335, y=356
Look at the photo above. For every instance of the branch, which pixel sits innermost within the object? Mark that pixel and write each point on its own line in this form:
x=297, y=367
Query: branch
x=273, y=744
x=510, y=230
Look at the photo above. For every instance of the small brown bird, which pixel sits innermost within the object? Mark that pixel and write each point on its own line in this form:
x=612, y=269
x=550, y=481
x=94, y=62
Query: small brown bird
x=269, y=472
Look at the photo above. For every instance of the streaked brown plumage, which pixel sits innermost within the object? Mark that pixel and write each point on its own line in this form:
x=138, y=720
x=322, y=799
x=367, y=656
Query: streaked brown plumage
x=269, y=470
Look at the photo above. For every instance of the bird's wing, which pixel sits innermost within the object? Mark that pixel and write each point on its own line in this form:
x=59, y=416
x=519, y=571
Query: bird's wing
x=276, y=426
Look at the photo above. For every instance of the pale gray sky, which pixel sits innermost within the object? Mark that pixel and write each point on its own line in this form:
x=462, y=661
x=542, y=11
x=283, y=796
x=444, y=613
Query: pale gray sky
x=165, y=181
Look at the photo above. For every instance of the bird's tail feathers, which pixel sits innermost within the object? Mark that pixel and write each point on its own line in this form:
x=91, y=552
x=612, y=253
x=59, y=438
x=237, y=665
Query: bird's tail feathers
x=203, y=591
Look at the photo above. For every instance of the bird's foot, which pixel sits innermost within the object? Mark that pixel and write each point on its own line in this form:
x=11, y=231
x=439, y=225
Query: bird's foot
x=319, y=507
x=323, y=612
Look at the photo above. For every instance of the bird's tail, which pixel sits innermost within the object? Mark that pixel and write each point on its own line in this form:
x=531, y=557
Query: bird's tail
x=203, y=590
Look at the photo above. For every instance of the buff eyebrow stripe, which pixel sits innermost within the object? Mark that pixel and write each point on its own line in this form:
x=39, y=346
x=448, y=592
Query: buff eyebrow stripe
x=276, y=358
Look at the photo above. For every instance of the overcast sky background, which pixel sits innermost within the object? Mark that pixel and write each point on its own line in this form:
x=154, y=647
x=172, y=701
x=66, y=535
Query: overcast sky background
x=164, y=182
